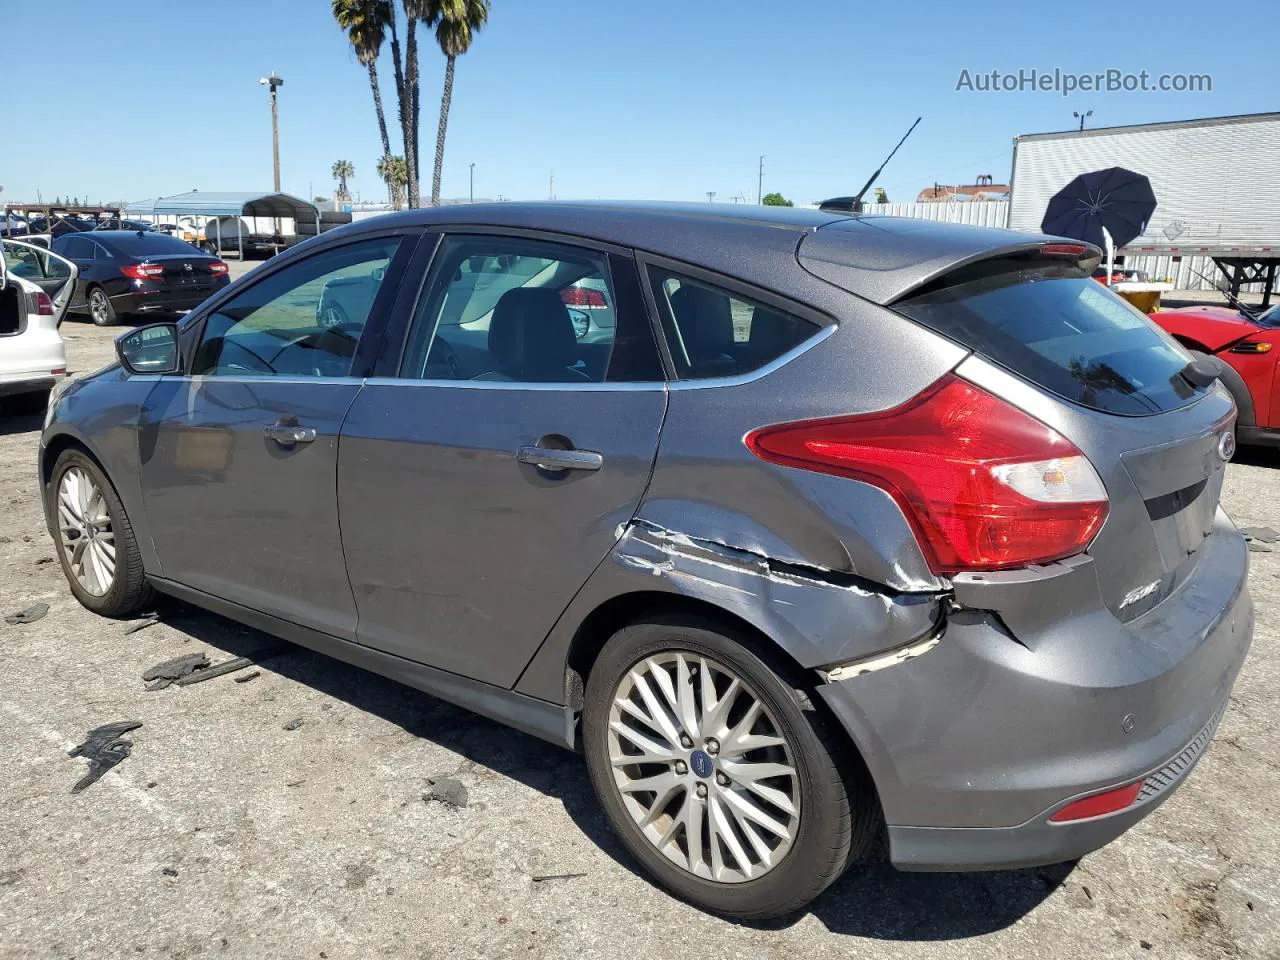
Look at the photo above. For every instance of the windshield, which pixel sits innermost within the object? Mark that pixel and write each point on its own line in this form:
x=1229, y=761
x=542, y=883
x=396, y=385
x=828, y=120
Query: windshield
x=1054, y=326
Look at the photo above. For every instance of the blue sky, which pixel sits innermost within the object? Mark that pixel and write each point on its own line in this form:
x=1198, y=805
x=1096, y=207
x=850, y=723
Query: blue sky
x=662, y=100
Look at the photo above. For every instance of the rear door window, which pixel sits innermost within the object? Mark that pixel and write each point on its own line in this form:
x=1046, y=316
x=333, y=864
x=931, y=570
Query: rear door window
x=533, y=311
x=1053, y=325
x=712, y=332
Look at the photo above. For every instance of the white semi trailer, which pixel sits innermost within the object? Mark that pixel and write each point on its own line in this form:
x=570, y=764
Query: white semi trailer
x=1216, y=181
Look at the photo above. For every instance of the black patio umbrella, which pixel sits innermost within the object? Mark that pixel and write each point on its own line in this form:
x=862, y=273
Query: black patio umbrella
x=1115, y=198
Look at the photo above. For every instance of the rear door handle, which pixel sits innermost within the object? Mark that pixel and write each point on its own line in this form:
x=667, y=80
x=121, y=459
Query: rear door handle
x=551, y=459
x=289, y=434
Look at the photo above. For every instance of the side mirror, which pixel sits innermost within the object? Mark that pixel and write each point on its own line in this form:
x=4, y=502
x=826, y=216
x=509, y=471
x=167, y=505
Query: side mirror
x=152, y=349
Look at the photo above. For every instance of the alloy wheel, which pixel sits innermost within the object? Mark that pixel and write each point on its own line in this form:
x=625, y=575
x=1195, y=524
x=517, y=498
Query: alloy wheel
x=84, y=526
x=98, y=307
x=703, y=767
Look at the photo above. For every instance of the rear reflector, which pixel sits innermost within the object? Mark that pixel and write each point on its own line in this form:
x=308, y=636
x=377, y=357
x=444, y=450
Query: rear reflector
x=44, y=306
x=1110, y=801
x=984, y=485
x=58, y=371
x=143, y=271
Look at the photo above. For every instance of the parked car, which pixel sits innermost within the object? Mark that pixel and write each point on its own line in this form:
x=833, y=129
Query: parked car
x=1244, y=346
x=60, y=224
x=186, y=231
x=35, y=288
x=126, y=272
x=854, y=525
x=13, y=225
x=221, y=237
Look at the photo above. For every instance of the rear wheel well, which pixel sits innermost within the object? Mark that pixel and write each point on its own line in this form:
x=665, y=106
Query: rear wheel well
x=618, y=612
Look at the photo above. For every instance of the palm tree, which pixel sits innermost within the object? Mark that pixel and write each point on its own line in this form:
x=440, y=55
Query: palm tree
x=366, y=24
x=395, y=173
x=414, y=10
x=456, y=23
x=342, y=169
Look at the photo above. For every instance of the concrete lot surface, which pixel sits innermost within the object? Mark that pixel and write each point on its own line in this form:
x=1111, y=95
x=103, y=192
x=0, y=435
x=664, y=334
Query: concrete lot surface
x=226, y=834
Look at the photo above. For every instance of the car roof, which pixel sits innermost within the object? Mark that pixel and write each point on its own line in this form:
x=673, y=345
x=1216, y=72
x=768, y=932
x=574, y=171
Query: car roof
x=879, y=258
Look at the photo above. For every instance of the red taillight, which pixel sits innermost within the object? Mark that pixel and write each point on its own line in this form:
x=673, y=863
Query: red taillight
x=582, y=297
x=985, y=486
x=218, y=268
x=58, y=371
x=1109, y=801
x=44, y=306
x=143, y=271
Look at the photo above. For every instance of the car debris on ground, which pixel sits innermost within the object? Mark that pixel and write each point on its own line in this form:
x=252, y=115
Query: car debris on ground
x=29, y=615
x=168, y=671
x=103, y=747
x=446, y=790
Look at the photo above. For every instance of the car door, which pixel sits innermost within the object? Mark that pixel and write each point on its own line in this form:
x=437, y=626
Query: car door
x=482, y=479
x=53, y=274
x=239, y=455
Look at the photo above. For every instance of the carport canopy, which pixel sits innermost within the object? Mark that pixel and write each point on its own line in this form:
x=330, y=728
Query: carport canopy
x=229, y=204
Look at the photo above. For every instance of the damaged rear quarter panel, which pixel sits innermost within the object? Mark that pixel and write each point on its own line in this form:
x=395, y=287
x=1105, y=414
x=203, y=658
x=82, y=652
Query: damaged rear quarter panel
x=826, y=567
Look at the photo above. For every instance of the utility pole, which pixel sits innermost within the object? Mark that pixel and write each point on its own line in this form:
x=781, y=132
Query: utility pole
x=760, y=182
x=711, y=196
x=274, y=82
x=473, y=183
x=551, y=190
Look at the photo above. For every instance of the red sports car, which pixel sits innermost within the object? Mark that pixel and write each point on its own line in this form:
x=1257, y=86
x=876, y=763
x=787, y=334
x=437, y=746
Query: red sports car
x=1248, y=348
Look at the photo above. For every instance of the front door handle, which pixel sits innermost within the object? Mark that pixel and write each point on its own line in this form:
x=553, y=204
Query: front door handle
x=289, y=434
x=549, y=458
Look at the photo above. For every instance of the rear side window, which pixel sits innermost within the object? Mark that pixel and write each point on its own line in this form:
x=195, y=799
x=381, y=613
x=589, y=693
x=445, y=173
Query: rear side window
x=1054, y=326
x=714, y=333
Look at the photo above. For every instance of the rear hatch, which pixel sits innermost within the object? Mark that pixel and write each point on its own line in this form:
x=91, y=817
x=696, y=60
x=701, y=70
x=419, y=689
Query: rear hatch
x=1051, y=341
x=1112, y=383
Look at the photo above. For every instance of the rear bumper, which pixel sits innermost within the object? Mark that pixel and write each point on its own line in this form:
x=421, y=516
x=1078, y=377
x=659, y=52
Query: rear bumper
x=163, y=301
x=29, y=383
x=976, y=744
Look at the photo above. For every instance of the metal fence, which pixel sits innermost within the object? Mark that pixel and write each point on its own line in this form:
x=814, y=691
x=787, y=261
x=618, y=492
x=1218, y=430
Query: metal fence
x=995, y=213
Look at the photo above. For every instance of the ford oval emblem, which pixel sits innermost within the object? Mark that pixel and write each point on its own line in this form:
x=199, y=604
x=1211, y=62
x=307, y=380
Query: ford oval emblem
x=1227, y=445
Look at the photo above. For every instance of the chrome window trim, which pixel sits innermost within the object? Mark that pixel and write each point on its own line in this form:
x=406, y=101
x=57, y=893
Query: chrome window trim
x=752, y=375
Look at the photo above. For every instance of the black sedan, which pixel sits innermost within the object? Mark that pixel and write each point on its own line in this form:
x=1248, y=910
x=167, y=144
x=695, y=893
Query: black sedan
x=136, y=272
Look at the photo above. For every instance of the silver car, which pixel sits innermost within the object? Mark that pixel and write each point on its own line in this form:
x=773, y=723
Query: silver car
x=848, y=527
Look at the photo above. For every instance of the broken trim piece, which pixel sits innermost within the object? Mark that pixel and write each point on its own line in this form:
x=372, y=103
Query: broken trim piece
x=881, y=661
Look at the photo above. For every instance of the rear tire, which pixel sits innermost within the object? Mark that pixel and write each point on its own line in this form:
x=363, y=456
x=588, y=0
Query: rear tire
x=829, y=808
x=101, y=312
x=87, y=508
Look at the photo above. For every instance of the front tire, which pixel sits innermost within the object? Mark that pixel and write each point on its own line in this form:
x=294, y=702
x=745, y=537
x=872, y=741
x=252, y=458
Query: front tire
x=735, y=800
x=101, y=312
x=95, y=540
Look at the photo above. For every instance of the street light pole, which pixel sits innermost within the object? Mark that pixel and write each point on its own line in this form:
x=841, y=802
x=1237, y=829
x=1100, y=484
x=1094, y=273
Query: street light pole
x=760, y=182
x=274, y=83
x=1087, y=113
x=473, y=183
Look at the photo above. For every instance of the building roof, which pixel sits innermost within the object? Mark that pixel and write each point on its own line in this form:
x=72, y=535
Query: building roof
x=232, y=203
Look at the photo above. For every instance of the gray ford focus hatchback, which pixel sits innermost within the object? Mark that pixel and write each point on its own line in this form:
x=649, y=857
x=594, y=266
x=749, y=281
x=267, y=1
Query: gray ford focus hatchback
x=806, y=528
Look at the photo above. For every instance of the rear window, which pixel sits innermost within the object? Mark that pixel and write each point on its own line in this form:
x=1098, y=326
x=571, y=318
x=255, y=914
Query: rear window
x=714, y=333
x=149, y=244
x=1053, y=325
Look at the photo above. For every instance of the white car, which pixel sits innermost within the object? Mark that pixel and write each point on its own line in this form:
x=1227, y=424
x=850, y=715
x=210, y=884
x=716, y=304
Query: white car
x=35, y=290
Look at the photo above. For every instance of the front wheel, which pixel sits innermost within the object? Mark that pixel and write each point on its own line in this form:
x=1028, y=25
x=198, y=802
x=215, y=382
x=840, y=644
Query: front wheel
x=96, y=543
x=716, y=773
